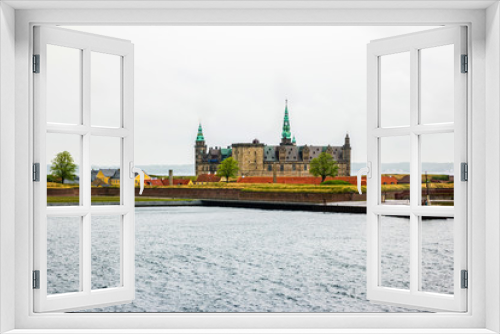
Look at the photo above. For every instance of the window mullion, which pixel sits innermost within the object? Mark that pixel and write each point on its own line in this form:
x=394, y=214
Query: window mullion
x=85, y=185
x=414, y=169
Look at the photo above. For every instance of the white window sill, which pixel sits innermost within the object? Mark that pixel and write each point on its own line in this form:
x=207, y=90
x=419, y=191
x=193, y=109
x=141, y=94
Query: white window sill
x=252, y=331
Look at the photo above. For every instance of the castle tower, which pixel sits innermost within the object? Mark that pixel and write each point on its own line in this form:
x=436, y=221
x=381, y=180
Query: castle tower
x=305, y=153
x=346, y=154
x=286, y=134
x=200, y=150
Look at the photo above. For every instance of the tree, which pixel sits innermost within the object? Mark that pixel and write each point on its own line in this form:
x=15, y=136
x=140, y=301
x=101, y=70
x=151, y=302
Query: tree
x=228, y=168
x=63, y=166
x=324, y=166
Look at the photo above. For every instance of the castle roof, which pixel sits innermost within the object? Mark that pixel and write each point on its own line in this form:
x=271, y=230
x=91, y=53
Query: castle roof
x=292, y=153
x=295, y=153
x=226, y=152
x=214, y=151
x=270, y=154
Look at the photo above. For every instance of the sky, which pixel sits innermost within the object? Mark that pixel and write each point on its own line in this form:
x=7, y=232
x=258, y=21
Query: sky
x=235, y=80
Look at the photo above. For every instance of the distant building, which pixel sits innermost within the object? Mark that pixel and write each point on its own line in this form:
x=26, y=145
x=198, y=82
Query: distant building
x=405, y=180
x=111, y=177
x=207, y=178
x=178, y=182
x=76, y=180
x=153, y=183
x=258, y=159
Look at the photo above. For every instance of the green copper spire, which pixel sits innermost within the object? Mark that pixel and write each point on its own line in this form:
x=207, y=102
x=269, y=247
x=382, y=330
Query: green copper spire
x=293, y=141
x=200, y=137
x=286, y=133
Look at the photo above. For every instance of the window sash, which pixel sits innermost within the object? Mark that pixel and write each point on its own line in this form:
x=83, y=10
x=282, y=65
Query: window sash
x=414, y=298
x=86, y=297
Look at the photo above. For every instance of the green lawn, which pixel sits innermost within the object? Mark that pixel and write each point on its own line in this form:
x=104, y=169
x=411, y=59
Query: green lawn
x=337, y=189
x=96, y=199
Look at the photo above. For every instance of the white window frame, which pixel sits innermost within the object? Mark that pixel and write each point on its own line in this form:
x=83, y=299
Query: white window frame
x=86, y=297
x=483, y=103
x=413, y=44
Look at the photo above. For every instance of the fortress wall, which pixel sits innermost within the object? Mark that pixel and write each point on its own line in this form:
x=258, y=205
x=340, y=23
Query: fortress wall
x=238, y=194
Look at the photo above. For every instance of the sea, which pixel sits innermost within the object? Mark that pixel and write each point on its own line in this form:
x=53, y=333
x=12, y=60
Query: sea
x=387, y=168
x=211, y=259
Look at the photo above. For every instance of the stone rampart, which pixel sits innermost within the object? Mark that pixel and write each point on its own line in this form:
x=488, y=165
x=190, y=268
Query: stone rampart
x=219, y=194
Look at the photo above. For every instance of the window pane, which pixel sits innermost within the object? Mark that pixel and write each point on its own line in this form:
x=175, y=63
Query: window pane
x=437, y=84
x=63, y=84
x=395, y=252
x=395, y=168
x=437, y=169
x=437, y=254
x=106, y=257
x=105, y=175
x=63, y=254
x=105, y=90
x=395, y=90
x=63, y=176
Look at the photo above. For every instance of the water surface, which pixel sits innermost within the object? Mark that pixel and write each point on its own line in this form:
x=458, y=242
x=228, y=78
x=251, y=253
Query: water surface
x=209, y=259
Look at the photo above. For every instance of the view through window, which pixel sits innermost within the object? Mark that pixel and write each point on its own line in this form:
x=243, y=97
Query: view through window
x=250, y=138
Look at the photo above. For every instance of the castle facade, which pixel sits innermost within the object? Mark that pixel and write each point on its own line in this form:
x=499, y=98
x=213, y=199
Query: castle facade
x=257, y=159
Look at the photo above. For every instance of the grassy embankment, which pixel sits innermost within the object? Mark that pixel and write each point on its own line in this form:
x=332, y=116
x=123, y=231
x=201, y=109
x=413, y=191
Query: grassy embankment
x=101, y=199
x=252, y=187
x=98, y=199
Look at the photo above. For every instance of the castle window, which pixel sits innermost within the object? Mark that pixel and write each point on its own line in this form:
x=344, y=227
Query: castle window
x=305, y=167
x=282, y=168
x=269, y=167
x=294, y=167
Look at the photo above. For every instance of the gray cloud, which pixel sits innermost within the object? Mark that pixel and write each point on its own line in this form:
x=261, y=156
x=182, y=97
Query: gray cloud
x=235, y=80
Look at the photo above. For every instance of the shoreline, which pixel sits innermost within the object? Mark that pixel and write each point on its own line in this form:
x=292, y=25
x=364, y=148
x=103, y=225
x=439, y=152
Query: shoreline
x=355, y=207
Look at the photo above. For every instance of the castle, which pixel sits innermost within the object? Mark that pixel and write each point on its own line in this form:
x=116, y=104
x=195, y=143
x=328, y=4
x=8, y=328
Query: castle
x=257, y=159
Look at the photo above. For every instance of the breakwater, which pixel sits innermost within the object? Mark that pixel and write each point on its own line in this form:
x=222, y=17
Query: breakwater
x=286, y=206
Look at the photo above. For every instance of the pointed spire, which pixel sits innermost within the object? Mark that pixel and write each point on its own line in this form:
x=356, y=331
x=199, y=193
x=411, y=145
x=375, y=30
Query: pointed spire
x=286, y=133
x=347, y=140
x=200, y=136
x=293, y=141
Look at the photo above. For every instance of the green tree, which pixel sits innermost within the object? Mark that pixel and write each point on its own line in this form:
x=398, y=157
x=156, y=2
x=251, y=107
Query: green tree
x=63, y=166
x=228, y=168
x=324, y=166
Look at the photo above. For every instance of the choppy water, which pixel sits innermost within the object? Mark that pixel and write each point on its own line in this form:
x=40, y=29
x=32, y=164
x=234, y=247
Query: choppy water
x=208, y=259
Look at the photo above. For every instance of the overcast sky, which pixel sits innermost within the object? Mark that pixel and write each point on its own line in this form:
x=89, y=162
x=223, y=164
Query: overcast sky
x=234, y=80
